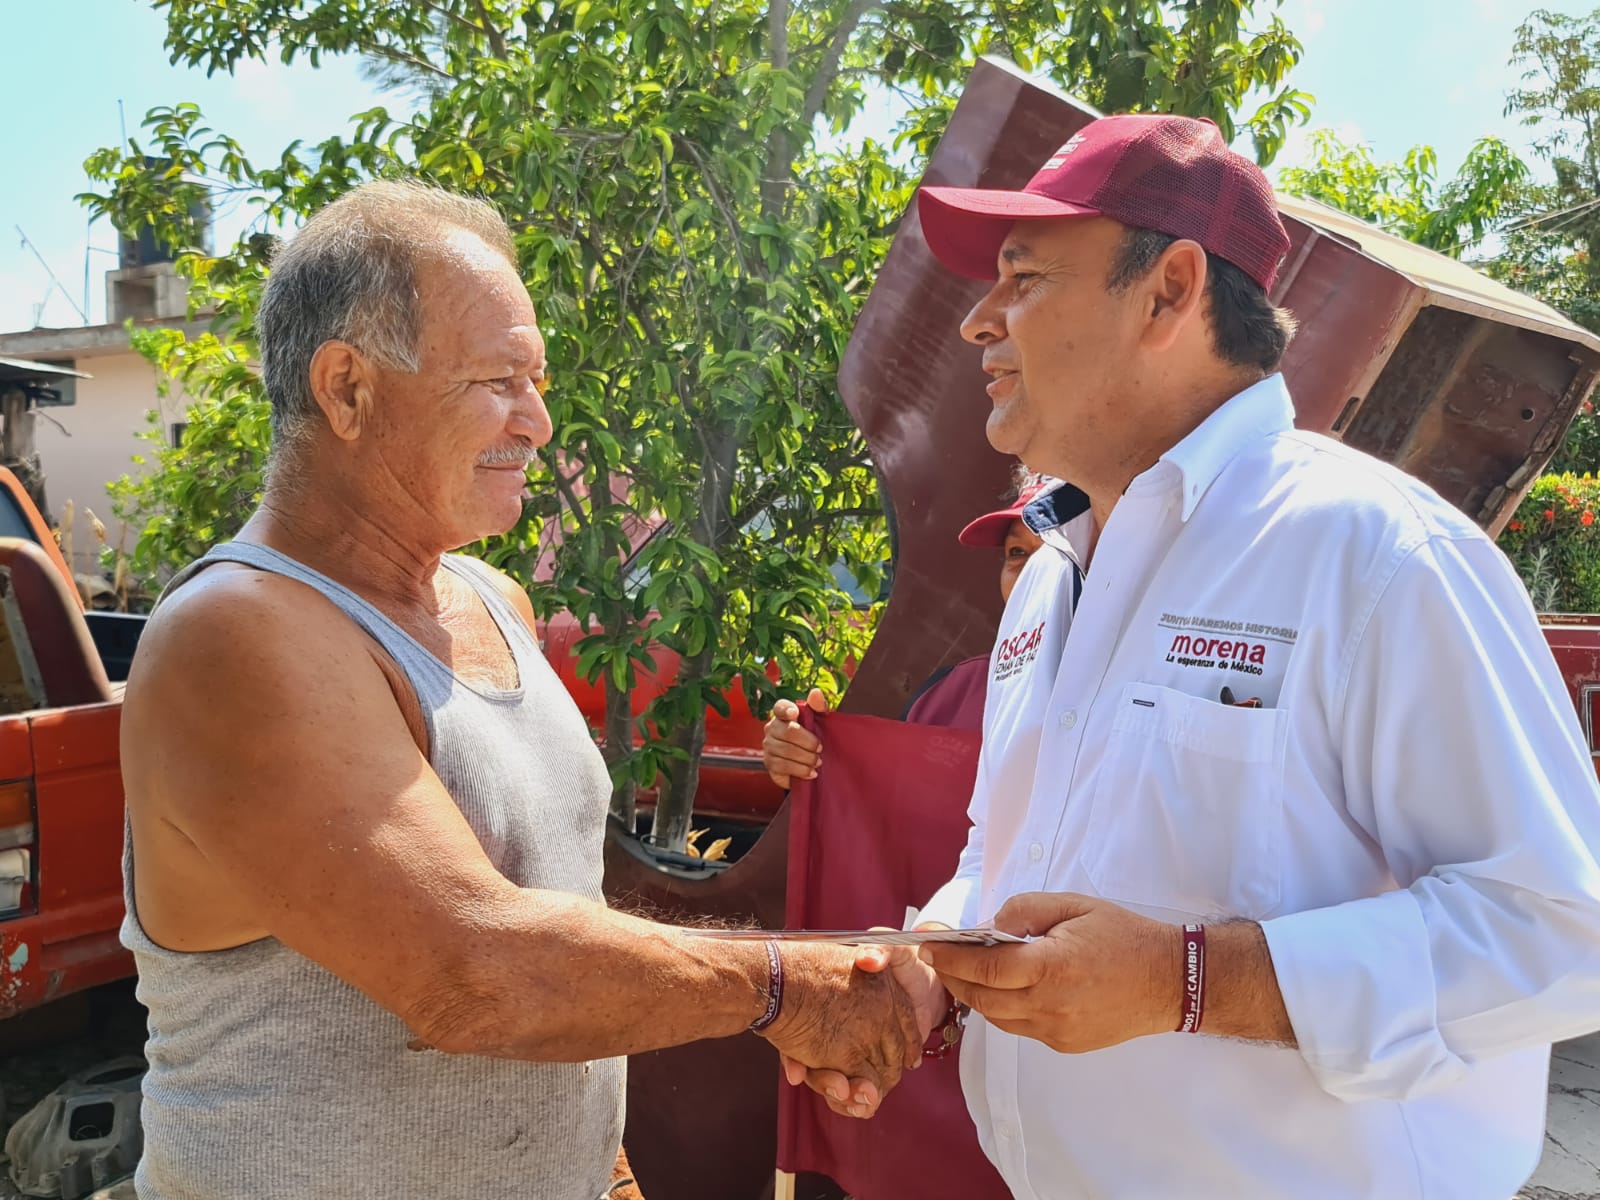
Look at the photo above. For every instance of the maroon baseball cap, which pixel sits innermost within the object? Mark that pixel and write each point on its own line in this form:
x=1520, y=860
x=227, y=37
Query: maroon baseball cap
x=991, y=528
x=1172, y=174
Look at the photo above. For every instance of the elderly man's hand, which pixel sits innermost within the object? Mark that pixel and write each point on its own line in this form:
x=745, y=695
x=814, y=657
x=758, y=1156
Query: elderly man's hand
x=861, y=1024
x=929, y=999
x=1097, y=975
x=789, y=752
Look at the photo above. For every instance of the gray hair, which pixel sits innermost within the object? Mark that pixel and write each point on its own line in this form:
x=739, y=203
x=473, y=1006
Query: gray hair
x=351, y=275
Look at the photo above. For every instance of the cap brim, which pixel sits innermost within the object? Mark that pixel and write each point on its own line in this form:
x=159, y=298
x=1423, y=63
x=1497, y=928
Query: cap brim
x=990, y=529
x=965, y=227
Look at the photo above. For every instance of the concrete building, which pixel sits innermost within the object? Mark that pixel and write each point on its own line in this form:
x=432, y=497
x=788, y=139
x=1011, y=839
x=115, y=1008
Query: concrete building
x=91, y=442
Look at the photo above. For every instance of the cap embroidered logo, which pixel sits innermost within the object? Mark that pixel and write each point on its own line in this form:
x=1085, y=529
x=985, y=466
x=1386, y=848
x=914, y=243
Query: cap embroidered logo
x=1060, y=156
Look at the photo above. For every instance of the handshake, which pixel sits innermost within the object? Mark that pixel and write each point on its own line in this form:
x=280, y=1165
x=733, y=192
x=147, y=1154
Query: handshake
x=853, y=1019
x=1094, y=975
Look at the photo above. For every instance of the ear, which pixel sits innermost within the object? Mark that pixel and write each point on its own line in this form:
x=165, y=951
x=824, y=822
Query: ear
x=342, y=381
x=1174, y=294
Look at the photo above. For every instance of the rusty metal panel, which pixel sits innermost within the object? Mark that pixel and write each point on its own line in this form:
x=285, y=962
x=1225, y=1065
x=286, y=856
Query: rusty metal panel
x=1474, y=408
x=917, y=392
x=1340, y=345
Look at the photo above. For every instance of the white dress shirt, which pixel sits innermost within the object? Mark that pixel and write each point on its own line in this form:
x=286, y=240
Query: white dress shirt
x=1411, y=814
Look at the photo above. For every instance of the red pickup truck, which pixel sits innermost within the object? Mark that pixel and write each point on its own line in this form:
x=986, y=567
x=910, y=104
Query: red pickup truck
x=60, y=782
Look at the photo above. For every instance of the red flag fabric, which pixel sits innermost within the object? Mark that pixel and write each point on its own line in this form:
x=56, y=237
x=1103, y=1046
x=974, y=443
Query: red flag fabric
x=879, y=829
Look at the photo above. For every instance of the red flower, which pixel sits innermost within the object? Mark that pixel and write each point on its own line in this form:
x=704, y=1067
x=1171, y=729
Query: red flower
x=1516, y=525
x=1588, y=517
x=1588, y=406
x=1549, y=514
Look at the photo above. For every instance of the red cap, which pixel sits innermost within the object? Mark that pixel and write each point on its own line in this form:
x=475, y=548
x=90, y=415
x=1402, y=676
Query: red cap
x=991, y=528
x=1172, y=174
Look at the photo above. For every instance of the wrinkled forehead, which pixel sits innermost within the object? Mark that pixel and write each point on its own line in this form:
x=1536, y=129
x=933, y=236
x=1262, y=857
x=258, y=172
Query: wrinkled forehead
x=469, y=295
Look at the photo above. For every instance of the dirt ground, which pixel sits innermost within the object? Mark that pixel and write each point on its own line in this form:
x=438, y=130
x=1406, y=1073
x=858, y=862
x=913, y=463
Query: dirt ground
x=38, y=1052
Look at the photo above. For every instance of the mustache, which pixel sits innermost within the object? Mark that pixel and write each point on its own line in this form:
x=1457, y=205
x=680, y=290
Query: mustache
x=512, y=454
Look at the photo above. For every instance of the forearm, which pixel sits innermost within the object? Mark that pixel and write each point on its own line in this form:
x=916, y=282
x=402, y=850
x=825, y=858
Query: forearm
x=1242, y=997
x=550, y=977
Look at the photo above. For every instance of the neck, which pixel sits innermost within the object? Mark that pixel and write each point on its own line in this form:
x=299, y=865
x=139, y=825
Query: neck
x=344, y=536
x=1161, y=425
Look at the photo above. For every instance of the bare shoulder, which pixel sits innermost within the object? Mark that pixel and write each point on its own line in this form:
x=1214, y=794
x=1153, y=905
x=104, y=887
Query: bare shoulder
x=232, y=623
x=244, y=677
x=512, y=591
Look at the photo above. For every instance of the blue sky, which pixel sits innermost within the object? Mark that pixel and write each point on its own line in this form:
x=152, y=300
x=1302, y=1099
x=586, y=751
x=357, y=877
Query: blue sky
x=1391, y=73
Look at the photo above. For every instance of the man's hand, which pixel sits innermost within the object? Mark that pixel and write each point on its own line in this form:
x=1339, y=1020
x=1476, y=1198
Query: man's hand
x=861, y=1024
x=789, y=752
x=1097, y=976
x=858, y=1097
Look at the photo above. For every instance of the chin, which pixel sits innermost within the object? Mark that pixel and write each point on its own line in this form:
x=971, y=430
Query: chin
x=485, y=522
x=1004, y=435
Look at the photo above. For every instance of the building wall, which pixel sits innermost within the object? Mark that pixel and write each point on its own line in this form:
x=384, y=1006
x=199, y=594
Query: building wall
x=96, y=443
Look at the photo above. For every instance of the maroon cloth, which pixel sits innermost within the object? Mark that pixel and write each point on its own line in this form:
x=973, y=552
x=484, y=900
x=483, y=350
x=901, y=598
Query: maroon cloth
x=954, y=700
x=880, y=829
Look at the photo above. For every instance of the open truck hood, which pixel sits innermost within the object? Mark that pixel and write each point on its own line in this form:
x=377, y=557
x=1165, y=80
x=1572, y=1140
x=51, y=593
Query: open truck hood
x=1402, y=352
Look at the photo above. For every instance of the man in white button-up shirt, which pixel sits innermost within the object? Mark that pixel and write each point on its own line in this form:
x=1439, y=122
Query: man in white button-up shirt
x=1299, y=771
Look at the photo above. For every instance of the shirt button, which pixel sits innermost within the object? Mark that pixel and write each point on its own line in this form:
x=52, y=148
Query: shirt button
x=1006, y=1130
x=1035, y=852
x=1069, y=718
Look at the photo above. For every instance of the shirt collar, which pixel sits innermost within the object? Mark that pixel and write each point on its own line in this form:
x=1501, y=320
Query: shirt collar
x=1261, y=409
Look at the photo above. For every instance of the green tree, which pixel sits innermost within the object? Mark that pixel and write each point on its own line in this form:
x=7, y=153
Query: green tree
x=698, y=257
x=1406, y=198
x=1550, y=248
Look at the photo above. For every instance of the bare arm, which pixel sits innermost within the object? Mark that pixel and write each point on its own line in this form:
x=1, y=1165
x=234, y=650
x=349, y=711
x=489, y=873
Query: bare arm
x=262, y=731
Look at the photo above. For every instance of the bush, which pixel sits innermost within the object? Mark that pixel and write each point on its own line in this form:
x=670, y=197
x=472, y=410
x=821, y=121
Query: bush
x=1554, y=541
x=1580, y=451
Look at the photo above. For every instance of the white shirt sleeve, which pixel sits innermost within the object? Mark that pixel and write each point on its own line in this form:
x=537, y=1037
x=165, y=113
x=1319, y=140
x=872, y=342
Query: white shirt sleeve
x=1463, y=761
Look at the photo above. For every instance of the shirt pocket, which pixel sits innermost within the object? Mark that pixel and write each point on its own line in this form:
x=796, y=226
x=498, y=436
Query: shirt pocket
x=1187, y=810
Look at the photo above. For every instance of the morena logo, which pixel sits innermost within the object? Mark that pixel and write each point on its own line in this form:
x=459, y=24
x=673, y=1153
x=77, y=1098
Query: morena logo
x=1237, y=650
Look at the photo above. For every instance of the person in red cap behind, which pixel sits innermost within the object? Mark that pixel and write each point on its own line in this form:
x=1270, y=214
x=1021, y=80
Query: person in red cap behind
x=1292, y=803
x=952, y=697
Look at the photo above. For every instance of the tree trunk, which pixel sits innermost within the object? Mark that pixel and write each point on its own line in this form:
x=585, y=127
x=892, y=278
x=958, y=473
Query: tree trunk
x=618, y=744
x=712, y=528
x=675, y=807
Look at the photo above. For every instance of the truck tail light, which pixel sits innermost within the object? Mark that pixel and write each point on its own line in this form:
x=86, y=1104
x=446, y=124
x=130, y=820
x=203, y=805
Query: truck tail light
x=18, y=836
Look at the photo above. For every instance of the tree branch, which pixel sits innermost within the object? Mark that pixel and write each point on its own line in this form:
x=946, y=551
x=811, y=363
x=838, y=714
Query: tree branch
x=730, y=217
x=828, y=69
x=404, y=59
x=775, y=178
x=497, y=41
x=564, y=486
x=454, y=18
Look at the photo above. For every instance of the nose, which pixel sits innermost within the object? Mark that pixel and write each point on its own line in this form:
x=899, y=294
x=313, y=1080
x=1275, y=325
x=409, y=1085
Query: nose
x=986, y=323
x=530, y=418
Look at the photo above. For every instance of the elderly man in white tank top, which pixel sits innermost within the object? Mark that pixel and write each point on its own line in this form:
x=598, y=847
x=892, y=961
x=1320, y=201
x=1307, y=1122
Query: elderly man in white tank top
x=365, y=821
